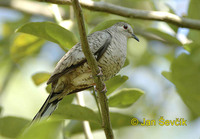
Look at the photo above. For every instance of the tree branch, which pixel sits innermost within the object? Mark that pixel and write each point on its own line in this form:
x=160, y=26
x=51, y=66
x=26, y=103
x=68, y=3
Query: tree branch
x=80, y=100
x=106, y=124
x=16, y=5
x=134, y=13
x=29, y=7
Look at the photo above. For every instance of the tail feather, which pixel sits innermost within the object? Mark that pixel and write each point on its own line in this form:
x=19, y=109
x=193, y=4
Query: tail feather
x=47, y=108
x=51, y=104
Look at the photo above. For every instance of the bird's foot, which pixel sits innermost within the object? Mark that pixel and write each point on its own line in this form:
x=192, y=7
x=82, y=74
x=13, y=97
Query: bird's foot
x=104, y=90
x=100, y=74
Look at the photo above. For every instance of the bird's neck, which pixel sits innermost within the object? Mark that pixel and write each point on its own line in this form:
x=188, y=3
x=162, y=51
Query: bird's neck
x=117, y=34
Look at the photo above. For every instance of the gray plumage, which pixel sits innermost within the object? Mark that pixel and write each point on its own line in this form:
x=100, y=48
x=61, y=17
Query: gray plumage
x=72, y=73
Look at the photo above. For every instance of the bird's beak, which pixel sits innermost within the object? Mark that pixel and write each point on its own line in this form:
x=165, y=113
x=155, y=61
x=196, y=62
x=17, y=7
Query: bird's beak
x=135, y=37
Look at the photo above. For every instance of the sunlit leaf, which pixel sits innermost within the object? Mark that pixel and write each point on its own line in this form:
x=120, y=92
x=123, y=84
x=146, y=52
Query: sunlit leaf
x=168, y=38
x=50, y=31
x=12, y=126
x=76, y=112
x=125, y=97
x=48, y=88
x=25, y=45
x=118, y=120
x=185, y=75
x=40, y=77
x=115, y=83
x=42, y=130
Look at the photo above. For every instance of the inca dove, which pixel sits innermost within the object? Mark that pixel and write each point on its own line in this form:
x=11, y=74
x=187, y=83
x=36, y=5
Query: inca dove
x=72, y=73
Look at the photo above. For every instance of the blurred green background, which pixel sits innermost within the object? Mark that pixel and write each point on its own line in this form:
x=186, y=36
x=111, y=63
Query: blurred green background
x=165, y=64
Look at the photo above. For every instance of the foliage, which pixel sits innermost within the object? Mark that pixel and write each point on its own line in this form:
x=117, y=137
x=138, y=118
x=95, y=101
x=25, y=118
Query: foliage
x=185, y=74
x=125, y=97
x=25, y=45
x=28, y=43
x=49, y=129
x=40, y=78
x=12, y=126
x=118, y=120
x=114, y=83
x=50, y=31
x=69, y=111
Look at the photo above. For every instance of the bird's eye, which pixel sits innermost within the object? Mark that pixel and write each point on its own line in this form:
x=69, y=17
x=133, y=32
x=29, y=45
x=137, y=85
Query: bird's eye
x=125, y=26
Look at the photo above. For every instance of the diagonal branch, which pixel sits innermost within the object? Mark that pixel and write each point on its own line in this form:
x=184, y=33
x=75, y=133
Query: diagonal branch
x=106, y=124
x=134, y=13
x=80, y=100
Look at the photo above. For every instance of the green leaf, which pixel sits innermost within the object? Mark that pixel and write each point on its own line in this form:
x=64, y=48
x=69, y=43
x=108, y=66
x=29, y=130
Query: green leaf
x=42, y=130
x=168, y=38
x=1, y=108
x=125, y=97
x=185, y=75
x=67, y=100
x=106, y=24
x=194, y=9
x=191, y=46
x=193, y=12
x=40, y=77
x=126, y=63
x=115, y=83
x=167, y=75
x=51, y=32
x=76, y=112
x=25, y=45
x=12, y=126
x=48, y=88
x=118, y=120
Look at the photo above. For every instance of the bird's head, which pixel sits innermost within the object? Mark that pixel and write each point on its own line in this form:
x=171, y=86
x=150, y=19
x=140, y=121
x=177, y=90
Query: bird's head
x=126, y=29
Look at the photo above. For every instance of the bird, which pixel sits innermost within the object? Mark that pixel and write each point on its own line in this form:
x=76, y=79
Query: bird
x=73, y=74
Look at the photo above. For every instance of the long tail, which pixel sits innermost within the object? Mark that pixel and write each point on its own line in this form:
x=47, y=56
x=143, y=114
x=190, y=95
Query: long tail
x=48, y=107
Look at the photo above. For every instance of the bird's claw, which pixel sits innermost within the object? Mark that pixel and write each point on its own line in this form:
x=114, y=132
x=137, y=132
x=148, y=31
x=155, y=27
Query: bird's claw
x=100, y=74
x=104, y=90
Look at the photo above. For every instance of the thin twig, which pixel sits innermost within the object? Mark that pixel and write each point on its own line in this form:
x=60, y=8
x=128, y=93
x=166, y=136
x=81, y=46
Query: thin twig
x=63, y=130
x=106, y=124
x=134, y=13
x=7, y=79
x=97, y=102
x=80, y=99
x=86, y=124
x=34, y=11
x=56, y=13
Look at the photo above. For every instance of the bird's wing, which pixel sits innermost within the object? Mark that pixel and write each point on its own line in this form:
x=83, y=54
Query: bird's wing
x=98, y=43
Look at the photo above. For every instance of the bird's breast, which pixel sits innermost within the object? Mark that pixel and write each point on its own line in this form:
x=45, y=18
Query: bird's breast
x=113, y=59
